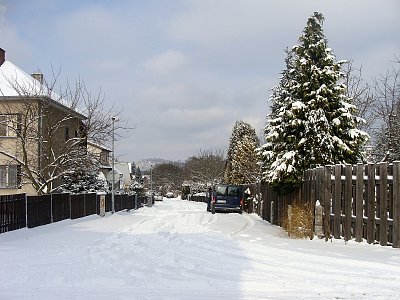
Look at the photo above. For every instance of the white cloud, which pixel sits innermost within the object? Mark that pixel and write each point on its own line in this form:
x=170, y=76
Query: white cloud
x=167, y=62
x=184, y=71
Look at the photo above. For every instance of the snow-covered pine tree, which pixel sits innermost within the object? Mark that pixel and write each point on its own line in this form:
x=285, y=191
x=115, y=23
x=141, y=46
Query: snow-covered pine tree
x=138, y=174
x=275, y=143
x=136, y=186
x=81, y=175
x=246, y=169
x=314, y=122
x=242, y=162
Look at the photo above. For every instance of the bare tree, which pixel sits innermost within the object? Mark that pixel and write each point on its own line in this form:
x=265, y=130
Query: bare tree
x=167, y=176
x=362, y=95
x=47, y=128
x=207, y=167
x=387, y=93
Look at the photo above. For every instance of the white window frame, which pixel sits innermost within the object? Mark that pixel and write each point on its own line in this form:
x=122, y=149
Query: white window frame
x=8, y=176
x=9, y=123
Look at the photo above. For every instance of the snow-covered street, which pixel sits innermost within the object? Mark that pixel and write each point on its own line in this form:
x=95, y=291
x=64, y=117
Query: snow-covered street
x=177, y=250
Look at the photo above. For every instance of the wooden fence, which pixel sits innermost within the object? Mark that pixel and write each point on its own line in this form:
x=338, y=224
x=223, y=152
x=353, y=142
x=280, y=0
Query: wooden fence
x=19, y=211
x=360, y=202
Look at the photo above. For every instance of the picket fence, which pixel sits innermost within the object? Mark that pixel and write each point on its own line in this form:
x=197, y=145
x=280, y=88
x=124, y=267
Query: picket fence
x=19, y=211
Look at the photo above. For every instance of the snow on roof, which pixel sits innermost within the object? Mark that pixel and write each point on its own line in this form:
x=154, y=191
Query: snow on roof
x=99, y=146
x=14, y=82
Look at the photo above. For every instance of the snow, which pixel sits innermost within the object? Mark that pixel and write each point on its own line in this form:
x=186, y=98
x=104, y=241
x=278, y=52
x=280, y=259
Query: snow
x=16, y=82
x=177, y=250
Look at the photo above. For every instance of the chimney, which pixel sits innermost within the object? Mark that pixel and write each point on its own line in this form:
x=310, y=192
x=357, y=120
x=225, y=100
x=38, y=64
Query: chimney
x=38, y=76
x=2, y=56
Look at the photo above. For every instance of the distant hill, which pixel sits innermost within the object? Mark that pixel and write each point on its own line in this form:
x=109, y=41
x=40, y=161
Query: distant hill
x=145, y=164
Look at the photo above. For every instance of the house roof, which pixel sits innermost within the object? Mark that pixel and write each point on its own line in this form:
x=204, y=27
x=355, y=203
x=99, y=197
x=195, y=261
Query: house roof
x=15, y=83
x=125, y=169
x=97, y=145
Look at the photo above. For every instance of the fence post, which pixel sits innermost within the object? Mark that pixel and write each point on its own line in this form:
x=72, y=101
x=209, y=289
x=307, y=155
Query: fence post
x=84, y=205
x=51, y=208
x=70, y=206
x=347, y=199
x=102, y=204
x=359, y=202
x=26, y=210
x=337, y=202
x=371, y=203
x=289, y=225
x=383, y=209
x=318, y=220
x=272, y=212
x=396, y=204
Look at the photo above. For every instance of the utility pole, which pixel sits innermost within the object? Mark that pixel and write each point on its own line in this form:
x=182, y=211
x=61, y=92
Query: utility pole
x=113, y=169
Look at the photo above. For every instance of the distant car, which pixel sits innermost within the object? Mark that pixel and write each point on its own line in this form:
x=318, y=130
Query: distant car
x=227, y=197
x=158, y=197
x=169, y=195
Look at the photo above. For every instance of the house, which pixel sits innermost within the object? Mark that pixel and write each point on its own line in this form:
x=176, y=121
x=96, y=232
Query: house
x=102, y=154
x=122, y=170
x=37, y=128
x=125, y=169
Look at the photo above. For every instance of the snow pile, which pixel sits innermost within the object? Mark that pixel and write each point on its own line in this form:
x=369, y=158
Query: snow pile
x=176, y=250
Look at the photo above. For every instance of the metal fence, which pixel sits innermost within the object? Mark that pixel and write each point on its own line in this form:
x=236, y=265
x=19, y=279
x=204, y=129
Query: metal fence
x=12, y=212
x=19, y=211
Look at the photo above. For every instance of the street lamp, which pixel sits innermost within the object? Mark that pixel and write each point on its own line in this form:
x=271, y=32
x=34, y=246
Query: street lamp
x=151, y=184
x=150, y=203
x=113, y=168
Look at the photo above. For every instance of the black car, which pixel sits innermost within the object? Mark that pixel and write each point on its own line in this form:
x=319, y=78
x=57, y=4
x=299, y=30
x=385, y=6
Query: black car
x=227, y=197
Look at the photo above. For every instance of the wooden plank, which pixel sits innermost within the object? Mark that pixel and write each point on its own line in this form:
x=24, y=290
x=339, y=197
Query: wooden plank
x=337, y=201
x=390, y=204
x=347, y=201
x=396, y=204
x=359, y=199
x=312, y=186
x=324, y=194
x=383, y=207
x=371, y=204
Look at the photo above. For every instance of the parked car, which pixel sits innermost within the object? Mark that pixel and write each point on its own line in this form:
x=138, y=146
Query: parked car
x=158, y=197
x=169, y=195
x=227, y=197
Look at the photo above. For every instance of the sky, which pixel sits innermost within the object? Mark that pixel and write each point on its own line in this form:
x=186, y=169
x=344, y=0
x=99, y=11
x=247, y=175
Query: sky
x=184, y=71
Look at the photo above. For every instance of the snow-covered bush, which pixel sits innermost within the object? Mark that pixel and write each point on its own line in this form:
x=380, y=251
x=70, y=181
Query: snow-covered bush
x=81, y=174
x=136, y=188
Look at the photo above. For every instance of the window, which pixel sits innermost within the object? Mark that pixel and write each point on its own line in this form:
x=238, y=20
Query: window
x=10, y=125
x=104, y=158
x=66, y=133
x=10, y=176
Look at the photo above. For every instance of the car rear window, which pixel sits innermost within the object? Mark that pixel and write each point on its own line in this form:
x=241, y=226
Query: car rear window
x=233, y=191
x=228, y=191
